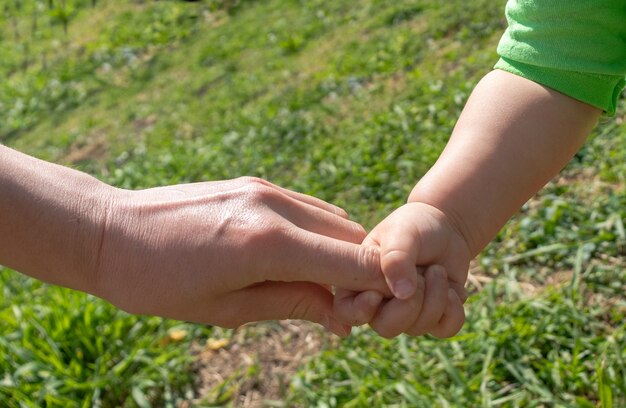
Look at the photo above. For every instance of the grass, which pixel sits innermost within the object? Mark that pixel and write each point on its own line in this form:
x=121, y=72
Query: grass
x=62, y=348
x=351, y=101
x=551, y=348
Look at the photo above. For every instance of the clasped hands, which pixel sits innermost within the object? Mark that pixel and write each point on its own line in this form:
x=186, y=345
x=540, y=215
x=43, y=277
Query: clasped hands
x=236, y=251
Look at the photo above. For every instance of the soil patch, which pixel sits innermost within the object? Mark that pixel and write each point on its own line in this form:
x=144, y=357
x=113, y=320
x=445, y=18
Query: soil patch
x=94, y=148
x=255, y=367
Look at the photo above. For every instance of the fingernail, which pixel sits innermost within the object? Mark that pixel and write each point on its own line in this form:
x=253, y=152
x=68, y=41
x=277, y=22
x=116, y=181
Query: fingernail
x=341, y=212
x=452, y=293
x=403, y=289
x=374, y=298
x=438, y=270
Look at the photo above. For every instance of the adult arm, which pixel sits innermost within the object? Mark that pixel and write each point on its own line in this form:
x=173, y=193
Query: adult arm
x=224, y=253
x=50, y=220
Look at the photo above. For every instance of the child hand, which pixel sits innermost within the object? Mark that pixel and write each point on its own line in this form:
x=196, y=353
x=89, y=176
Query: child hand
x=425, y=263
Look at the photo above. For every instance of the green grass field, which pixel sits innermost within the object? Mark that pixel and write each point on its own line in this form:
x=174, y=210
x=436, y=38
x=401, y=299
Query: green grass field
x=347, y=100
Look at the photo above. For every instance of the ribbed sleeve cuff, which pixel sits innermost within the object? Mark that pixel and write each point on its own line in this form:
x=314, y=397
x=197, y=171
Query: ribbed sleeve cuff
x=601, y=91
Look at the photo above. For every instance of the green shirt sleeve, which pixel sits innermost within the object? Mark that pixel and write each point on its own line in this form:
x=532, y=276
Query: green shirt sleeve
x=577, y=47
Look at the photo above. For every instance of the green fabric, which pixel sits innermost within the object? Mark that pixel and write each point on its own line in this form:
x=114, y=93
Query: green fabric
x=577, y=47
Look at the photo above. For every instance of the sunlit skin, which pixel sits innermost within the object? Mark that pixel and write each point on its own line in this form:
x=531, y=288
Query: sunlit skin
x=512, y=137
x=242, y=250
x=223, y=253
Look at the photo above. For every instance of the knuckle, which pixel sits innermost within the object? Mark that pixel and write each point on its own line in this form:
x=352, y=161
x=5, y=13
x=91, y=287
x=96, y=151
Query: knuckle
x=369, y=262
x=252, y=181
x=254, y=192
x=259, y=193
x=302, y=308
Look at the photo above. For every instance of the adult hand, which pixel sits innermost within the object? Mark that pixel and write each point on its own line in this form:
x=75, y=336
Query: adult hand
x=425, y=263
x=231, y=252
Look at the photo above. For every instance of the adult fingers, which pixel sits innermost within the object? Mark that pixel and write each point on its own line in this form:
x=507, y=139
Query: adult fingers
x=356, y=308
x=314, y=201
x=398, y=315
x=319, y=221
x=435, y=300
x=284, y=300
x=310, y=257
x=304, y=198
x=453, y=318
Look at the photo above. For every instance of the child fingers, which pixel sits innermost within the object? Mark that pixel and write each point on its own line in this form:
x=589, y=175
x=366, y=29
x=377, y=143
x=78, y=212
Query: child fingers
x=435, y=301
x=452, y=320
x=397, y=315
x=356, y=308
x=398, y=266
x=460, y=290
x=398, y=256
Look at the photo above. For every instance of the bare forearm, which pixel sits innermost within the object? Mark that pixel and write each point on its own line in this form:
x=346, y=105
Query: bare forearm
x=513, y=136
x=50, y=218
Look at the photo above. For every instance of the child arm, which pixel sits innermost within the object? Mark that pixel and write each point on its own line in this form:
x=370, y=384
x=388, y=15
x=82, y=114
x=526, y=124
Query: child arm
x=512, y=137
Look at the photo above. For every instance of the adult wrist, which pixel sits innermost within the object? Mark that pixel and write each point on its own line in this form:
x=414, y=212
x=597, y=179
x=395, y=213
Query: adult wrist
x=96, y=204
x=54, y=220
